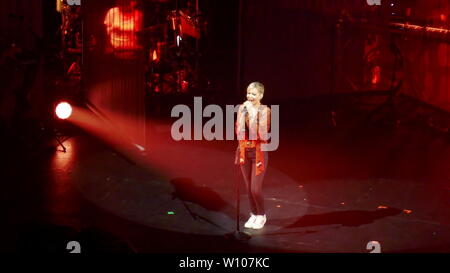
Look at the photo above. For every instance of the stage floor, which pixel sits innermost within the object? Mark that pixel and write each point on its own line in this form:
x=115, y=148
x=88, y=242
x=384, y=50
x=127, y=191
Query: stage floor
x=326, y=190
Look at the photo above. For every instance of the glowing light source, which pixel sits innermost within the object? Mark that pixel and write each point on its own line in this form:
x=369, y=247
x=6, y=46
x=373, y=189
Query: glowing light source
x=58, y=5
x=376, y=74
x=63, y=110
x=184, y=86
x=170, y=213
x=122, y=26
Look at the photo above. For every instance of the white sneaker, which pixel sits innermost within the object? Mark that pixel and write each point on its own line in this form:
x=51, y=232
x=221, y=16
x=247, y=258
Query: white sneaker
x=251, y=220
x=259, y=222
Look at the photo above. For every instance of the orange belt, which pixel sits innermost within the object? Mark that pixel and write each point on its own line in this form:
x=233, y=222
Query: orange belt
x=249, y=144
x=243, y=144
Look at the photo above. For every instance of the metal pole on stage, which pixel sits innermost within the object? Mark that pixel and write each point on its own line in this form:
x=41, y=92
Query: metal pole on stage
x=335, y=59
x=238, y=234
x=197, y=41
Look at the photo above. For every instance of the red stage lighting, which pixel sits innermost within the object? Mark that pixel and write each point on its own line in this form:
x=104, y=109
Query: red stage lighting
x=63, y=110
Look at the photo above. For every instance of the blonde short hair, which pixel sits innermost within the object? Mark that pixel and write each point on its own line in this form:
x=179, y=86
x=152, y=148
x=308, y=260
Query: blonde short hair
x=258, y=86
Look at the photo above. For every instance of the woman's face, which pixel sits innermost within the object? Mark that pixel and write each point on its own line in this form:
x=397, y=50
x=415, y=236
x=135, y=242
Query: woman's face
x=253, y=95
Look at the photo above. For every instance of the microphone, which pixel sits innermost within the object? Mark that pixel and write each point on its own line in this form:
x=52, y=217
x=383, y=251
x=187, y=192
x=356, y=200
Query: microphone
x=245, y=109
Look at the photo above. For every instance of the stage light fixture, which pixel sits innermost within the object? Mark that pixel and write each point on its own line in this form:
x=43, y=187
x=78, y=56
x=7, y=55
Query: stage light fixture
x=63, y=110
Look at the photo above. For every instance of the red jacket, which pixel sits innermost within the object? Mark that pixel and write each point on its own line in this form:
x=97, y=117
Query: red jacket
x=257, y=133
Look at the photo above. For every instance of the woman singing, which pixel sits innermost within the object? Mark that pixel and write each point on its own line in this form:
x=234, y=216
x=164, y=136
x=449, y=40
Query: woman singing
x=252, y=127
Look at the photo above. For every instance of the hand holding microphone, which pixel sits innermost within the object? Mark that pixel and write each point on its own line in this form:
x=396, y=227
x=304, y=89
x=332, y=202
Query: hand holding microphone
x=246, y=104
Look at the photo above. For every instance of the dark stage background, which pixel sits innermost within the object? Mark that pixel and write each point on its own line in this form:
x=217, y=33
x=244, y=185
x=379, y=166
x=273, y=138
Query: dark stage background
x=301, y=49
x=298, y=49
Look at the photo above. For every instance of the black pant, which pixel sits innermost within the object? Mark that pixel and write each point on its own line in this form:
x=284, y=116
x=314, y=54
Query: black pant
x=253, y=181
